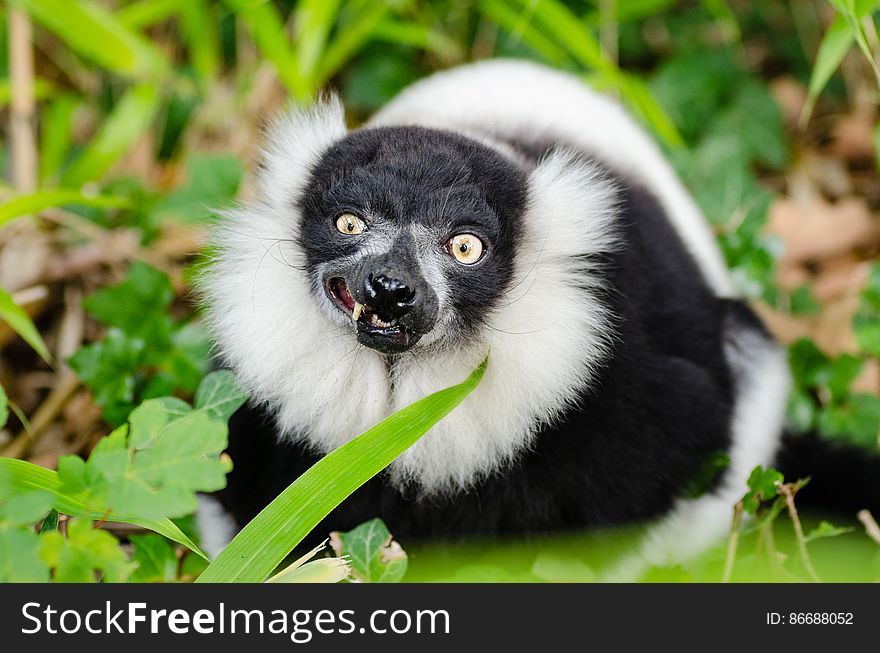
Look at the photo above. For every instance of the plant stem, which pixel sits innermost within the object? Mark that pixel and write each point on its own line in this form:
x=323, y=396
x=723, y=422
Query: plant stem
x=21, y=113
x=871, y=527
x=732, y=541
x=787, y=491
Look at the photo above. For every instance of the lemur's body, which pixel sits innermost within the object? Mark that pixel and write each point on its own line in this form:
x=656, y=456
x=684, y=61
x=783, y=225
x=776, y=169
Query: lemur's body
x=620, y=362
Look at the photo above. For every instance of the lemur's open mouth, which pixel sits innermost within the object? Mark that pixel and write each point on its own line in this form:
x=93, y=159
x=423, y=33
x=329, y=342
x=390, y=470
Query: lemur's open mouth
x=376, y=329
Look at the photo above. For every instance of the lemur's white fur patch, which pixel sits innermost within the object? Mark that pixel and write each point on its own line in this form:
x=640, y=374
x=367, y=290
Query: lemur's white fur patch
x=547, y=335
x=507, y=98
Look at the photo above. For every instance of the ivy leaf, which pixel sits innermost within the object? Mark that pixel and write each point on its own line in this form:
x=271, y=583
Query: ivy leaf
x=374, y=556
x=108, y=368
x=754, y=116
x=763, y=484
x=84, y=555
x=153, y=466
x=219, y=395
x=857, y=420
x=155, y=558
x=187, y=360
x=19, y=556
x=844, y=370
x=137, y=306
x=185, y=459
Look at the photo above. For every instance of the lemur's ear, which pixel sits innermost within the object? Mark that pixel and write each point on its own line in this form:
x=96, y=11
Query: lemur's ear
x=294, y=143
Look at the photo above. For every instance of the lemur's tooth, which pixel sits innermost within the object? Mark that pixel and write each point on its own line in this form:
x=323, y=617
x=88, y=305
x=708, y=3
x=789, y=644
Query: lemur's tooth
x=358, y=309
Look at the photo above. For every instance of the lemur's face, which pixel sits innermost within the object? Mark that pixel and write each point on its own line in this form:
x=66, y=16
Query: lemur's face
x=409, y=234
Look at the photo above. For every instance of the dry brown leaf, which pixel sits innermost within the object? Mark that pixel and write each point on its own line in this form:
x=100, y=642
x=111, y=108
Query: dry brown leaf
x=818, y=230
x=852, y=136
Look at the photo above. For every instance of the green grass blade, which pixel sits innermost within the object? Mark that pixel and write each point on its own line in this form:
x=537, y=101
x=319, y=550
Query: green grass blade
x=640, y=100
x=25, y=476
x=419, y=36
x=564, y=27
x=314, y=20
x=835, y=44
x=502, y=14
x=199, y=28
x=267, y=30
x=20, y=322
x=146, y=13
x=349, y=41
x=57, y=134
x=549, y=25
x=130, y=118
x=261, y=546
x=95, y=34
x=44, y=199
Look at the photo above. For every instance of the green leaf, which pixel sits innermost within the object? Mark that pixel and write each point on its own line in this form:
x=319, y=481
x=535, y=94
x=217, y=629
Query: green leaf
x=137, y=305
x=84, y=554
x=325, y=570
x=374, y=556
x=270, y=536
x=25, y=477
x=95, y=34
x=693, y=85
x=314, y=19
x=4, y=407
x=108, y=368
x=33, y=203
x=155, y=558
x=154, y=468
x=857, y=420
x=219, y=395
x=833, y=48
x=22, y=508
x=867, y=321
x=755, y=118
x=763, y=486
x=198, y=23
x=844, y=370
x=50, y=523
x=212, y=181
x=20, y=561
x=56, y=134
x=20, y=322
x=826, y=529
x=129, y=119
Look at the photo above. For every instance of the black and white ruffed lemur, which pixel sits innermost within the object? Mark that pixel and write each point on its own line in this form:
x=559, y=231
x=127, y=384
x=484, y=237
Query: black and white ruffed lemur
x=499, y=208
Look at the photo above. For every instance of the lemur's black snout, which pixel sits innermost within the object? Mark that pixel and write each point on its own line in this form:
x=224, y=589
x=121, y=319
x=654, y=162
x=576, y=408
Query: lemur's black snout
x=389, y=294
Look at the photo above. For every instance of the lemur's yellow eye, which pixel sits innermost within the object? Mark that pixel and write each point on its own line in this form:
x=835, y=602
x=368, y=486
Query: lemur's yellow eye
x=349, y=224
x=466, y=248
